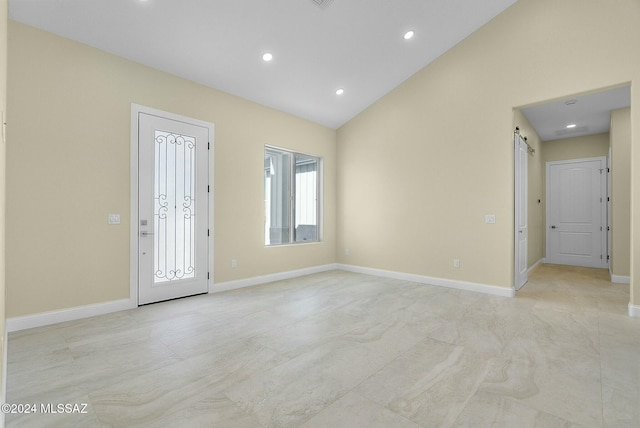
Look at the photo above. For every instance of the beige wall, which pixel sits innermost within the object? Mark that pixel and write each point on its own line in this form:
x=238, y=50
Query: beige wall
x=418, y=170
x=69, y=163
x=535, y=191
x=576, y=148
x=620, y=136
x=3, y=104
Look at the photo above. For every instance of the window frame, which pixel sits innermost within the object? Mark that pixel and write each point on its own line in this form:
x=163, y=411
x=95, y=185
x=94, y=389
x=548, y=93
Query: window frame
x=291, y=188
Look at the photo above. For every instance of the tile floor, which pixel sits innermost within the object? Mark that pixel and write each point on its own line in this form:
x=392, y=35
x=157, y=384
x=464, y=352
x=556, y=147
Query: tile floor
x=340, y=349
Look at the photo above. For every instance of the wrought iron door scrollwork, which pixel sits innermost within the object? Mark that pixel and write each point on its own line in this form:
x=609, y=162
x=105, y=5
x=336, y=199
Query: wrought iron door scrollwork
x=174, y=189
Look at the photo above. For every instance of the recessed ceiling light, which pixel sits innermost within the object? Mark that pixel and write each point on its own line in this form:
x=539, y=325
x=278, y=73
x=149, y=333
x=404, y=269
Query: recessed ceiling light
x=267, y=57
x=573, y=125
x=340, y=91
x=409, y=35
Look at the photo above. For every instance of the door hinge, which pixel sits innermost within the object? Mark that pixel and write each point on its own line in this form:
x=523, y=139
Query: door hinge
x=208, y=189
x=608, y=199
x=208, y=145
x=608, y=170
x=207, y=275
x=608, y=228
x=607, y=257
x=207, y=232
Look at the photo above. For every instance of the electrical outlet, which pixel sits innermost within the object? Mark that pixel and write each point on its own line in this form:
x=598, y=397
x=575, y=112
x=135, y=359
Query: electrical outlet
x=456, y=263
x=234, y=263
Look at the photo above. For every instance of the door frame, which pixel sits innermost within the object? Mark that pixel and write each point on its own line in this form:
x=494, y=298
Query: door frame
x=136, y=109
x=608, y=221
x=518, y=140
x=603, y=205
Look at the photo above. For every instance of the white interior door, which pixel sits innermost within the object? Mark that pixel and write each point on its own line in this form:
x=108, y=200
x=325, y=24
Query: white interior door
x=521, y=230
x=172, y=233
x=576, y=214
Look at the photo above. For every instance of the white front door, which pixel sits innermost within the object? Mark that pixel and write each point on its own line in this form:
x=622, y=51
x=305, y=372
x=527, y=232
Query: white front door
x=172, y=221
x=521, y=231
x=576, y=212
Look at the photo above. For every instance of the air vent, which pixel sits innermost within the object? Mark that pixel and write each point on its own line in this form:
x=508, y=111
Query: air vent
x=322, y=4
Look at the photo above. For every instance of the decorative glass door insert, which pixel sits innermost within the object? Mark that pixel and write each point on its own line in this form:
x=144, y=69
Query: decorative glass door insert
x=175, y=207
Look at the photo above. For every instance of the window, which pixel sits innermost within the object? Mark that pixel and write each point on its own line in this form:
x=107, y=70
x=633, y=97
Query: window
x=292, y=183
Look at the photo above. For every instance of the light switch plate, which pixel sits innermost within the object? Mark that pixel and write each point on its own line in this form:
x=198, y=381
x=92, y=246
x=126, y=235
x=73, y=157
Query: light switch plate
x=490, y=219
x=114, y=218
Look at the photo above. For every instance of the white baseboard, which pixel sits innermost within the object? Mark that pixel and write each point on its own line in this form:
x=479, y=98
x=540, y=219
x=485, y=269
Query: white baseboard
x=3, y=391
x=264, y=279
x=620, y=279
x=533, y=266
x=449, y=283
x=54, y=317
x=634, y=311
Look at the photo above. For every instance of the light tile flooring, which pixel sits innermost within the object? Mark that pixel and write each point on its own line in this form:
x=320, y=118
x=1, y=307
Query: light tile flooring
x=340, y=349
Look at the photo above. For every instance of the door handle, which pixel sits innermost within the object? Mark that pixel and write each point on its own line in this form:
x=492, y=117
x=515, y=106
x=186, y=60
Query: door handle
x=553, y=227
x=144, y=234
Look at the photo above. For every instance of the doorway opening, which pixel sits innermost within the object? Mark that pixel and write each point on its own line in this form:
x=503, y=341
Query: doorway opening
x=569, y=129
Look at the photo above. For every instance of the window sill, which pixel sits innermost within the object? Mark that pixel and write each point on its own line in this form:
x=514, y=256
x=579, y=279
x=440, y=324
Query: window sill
x=294, y=244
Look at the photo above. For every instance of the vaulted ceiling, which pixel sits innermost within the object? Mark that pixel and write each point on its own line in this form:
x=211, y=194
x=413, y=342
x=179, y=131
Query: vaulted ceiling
x=318, y=46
